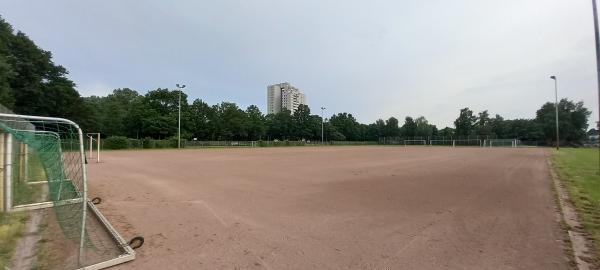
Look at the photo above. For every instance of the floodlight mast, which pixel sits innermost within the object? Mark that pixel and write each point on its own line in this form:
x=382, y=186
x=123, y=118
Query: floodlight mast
x=180, y=87
x=597, y=37
x=556, y=109
x=322, y=120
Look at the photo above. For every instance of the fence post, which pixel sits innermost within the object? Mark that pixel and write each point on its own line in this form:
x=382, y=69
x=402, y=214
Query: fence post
x=7, y=172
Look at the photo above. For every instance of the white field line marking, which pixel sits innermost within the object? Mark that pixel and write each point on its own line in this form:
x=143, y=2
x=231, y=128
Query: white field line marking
x=225, y=225
x=212, y=211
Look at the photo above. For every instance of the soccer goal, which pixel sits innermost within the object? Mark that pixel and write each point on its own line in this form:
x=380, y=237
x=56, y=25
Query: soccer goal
x=441, y=142
x=93, y=139
x=467, y=142
x=43, y=174
x=502, y=143
x=415, y=142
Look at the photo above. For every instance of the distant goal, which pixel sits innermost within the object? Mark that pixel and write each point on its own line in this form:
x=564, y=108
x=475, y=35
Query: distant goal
x=415, y=142
x=502, y=143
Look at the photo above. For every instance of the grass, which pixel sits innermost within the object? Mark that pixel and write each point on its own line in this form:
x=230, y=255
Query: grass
x=578, y=171
x=11, y=229
x=23, y=192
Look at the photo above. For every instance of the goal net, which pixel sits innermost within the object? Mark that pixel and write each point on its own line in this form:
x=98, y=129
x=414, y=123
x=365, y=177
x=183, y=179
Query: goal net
x=43, y=173
x=441, y=142
x=467, y=142
x=415, y=142
x=458, y=142
x=502, y=143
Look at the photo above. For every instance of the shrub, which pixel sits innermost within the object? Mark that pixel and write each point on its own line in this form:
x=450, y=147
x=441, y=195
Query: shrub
x=116, y=142
x=135, y=143
x=148, y=143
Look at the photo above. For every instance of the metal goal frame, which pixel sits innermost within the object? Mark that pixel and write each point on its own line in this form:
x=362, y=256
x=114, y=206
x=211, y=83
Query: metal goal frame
x=7, y=142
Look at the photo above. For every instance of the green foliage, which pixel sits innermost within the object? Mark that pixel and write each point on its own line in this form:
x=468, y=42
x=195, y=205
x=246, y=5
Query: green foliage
x=465, y=123
x=423, y=129
x=573, y=121
x=148, y=143
x=116, y=142
x=390, y=128
x=31, y=83
x=346, y=125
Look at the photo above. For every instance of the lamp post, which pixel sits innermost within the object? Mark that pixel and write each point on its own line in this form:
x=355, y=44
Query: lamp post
x=180, y=87
x=322, y=120
x=597, y=37
x=556, y=109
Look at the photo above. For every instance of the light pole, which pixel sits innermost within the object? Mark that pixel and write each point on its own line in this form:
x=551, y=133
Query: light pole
x=596, y=35
x=322, y=120
x=180, y=87
x=556, y=109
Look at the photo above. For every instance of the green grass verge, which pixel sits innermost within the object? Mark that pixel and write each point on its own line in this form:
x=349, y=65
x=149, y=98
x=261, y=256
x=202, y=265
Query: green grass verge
x=578, y=171
x=11, y=229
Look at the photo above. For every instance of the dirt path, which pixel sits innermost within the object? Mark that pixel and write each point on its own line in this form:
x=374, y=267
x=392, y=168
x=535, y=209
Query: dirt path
x=333, y=208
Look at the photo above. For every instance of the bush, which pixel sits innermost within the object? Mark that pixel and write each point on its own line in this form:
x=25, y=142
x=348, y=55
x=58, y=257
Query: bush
x=116, y=142
x=148, y=143
x=135, y=143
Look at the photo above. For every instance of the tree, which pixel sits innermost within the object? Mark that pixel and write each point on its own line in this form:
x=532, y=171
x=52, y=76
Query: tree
x=465, y=122
x=201, y=115
x=447, y=132
x=498, y=126
x=280, y=125
x=346, y=124
x=390, y=128
x=483, y=124
x=230, y=121
x=423, y=129
x=113, y=112
x=255, y=123
x=573, y=121
x=30, y=83
x=302, y=123
x=409, y=129
x=332, y=134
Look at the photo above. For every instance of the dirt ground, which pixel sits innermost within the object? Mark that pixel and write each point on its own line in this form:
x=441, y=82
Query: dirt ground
x=333, y=208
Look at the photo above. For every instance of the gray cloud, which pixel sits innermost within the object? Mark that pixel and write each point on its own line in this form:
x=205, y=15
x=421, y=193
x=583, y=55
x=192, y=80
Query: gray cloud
x=373, y=59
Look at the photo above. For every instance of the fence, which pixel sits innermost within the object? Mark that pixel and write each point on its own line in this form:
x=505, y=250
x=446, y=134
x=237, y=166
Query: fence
x=473, y=141
x=272, y=143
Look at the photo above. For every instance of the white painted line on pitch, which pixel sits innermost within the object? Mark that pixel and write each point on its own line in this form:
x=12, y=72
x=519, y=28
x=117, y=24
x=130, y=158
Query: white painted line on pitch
x=212, y=211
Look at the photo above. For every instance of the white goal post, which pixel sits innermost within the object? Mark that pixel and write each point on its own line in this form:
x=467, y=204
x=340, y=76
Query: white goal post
x=513, y=143
x=441, y=142
x=42, y=167
x=415, y=142
x=456, y=142
x=94, y=137
x=468, y=142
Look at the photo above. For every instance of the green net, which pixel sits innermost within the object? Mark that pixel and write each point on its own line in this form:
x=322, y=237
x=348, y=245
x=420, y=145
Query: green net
x=45, y=167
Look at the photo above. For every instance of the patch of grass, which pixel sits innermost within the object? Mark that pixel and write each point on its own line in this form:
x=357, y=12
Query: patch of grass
x=578, y=171
x=11, y=229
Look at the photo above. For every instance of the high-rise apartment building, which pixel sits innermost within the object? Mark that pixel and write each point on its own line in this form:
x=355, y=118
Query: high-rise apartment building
x=283, y=95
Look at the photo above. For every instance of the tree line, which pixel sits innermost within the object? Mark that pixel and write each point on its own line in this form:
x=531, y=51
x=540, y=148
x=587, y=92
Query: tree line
x=31, y=83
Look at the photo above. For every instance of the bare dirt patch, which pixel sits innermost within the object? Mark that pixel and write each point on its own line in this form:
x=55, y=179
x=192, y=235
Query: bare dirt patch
x=333, y=208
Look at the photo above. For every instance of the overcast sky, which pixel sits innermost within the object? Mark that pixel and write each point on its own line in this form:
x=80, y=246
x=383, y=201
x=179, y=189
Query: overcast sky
x=374, y=59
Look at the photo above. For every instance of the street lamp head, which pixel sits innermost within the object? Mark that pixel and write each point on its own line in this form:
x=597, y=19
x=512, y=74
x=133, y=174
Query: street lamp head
x=553, y=77
x=322, y=108
x=180, y=86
